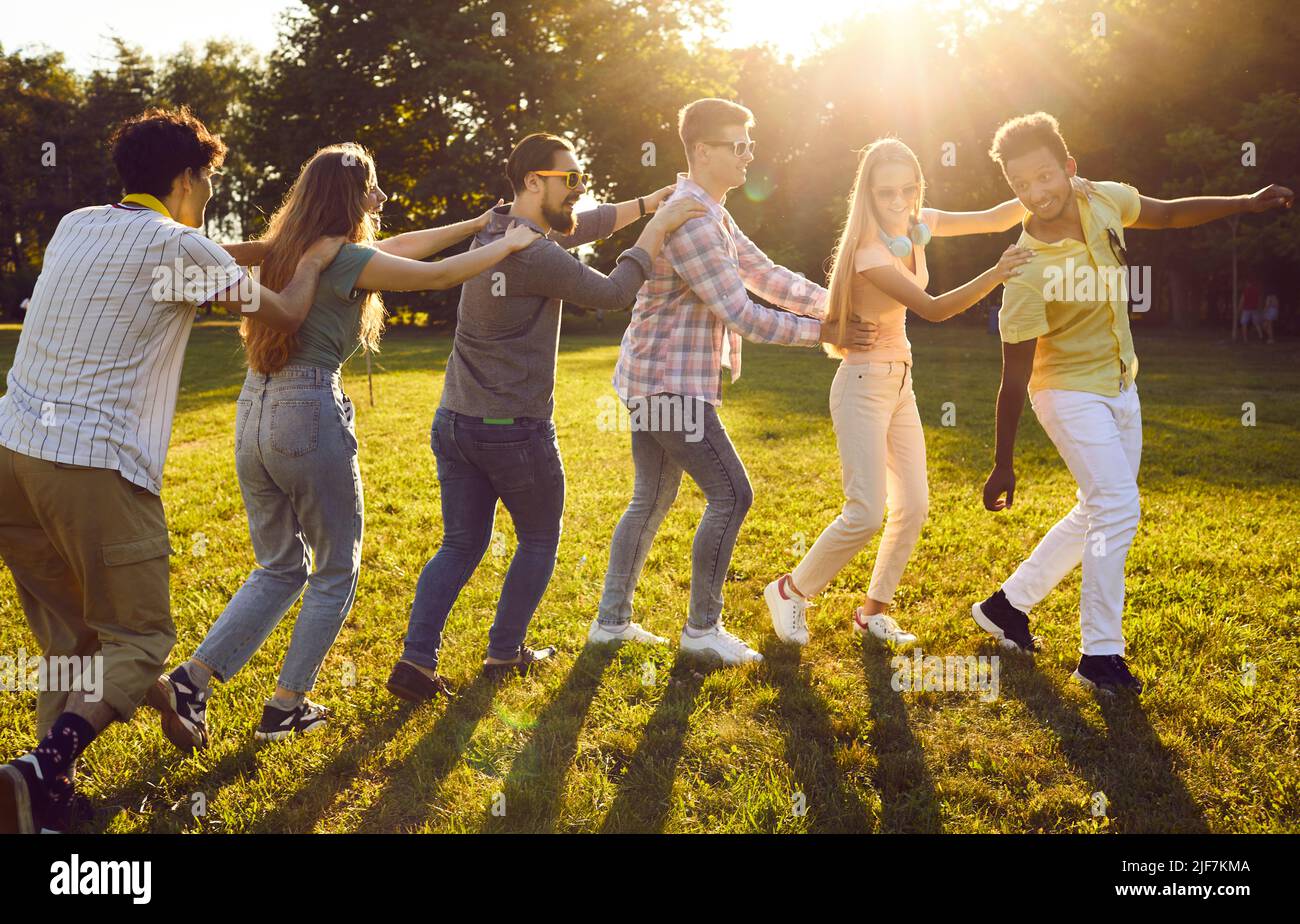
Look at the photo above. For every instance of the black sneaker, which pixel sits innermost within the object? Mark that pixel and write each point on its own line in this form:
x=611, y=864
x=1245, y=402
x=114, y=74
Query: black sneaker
x=1004, y=622
x=281, y=723
x=183, y=706
x=410, y=683
x=24, y=800
x=527, y=658
x=68, y=809
x=1107, y=673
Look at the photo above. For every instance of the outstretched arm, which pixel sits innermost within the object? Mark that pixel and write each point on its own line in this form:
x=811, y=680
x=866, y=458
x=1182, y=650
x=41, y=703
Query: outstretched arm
x=553, y=272
x=1197, y=210
x=697, y=253
x=999, y=218
x=990, y=221
x=778, y=285
x=388, y=273
x=1017, y=365
x=413, y=245
x=592, y=225
x=287, y=309
x=941, y=307
x=247, y=253
x=627, y=212
x=418, y=245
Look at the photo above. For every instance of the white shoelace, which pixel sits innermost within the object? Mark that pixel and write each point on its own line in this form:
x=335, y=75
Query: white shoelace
x=889, y=624
x=731, y=643
x=800, y=620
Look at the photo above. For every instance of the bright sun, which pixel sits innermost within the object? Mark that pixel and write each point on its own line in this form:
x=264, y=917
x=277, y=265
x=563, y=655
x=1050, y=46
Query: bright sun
x=796, y=27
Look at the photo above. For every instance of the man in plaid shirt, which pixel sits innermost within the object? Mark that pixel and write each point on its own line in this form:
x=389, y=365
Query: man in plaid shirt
x=687, y=326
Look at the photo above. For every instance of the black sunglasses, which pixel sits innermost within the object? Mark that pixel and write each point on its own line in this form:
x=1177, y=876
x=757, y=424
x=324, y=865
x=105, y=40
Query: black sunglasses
x=1116, y=247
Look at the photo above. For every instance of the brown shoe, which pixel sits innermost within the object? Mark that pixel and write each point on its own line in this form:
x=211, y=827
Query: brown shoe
x=410, y=683
x=523, y=664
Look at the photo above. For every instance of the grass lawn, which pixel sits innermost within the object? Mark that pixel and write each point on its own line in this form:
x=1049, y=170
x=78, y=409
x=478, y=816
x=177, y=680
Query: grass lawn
x=638, y=740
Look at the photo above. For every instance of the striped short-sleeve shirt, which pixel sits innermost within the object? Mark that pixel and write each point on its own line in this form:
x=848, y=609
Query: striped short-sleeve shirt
x=98, y=364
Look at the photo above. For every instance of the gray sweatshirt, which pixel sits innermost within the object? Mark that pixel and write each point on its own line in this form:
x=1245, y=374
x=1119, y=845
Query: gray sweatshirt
x=503, y=357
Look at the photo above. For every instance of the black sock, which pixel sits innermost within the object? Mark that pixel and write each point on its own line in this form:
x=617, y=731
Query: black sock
x=62, y=745
x=60, y=791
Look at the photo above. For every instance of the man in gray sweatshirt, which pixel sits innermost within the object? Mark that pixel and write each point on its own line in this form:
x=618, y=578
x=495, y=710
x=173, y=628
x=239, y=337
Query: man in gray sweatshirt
x=493, y=437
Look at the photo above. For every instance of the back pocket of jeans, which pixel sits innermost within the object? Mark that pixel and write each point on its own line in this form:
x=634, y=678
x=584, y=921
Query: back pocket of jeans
x=508, y=465
x=295, y=427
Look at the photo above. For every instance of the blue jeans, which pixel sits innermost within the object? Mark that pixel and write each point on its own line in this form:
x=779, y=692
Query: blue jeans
x=660, y=458
x=479, y=463
x=296, y=457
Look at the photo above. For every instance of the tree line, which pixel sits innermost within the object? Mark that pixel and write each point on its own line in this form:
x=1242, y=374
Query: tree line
x=1177, y=97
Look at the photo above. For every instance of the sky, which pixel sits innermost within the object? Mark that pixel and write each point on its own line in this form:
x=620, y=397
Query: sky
x=81, y=28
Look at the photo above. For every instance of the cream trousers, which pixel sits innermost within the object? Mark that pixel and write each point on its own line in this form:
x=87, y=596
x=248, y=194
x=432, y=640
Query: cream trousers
x=882, y=454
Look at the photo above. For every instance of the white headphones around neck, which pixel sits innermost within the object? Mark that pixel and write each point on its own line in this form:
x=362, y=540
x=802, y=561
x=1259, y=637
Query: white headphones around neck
x=901, y=246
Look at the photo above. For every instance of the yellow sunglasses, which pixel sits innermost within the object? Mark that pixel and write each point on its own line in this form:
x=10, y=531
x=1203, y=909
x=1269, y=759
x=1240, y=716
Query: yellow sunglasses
x=571, y=177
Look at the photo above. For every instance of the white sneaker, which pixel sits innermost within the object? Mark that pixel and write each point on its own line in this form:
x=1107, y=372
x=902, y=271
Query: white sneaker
x=601, y=635
x=882, y=627
x=787, y=614
x=719, y=643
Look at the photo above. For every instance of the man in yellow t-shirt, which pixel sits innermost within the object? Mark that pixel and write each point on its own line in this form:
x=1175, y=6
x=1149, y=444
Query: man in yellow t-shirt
x=1066, y=339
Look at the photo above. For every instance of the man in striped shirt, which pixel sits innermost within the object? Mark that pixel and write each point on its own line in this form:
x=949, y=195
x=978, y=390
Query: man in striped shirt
x=84, y=428
x=686, y=327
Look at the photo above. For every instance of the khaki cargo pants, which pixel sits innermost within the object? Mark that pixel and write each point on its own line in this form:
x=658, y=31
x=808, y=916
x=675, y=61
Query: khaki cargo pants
x=89, y=553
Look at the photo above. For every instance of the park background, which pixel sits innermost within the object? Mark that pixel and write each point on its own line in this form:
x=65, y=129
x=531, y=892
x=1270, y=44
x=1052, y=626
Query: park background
x=814, y=740
x=1162, y=94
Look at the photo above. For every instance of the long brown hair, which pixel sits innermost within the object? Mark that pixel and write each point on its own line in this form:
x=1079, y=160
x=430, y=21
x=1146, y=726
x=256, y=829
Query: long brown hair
x=327, y=199
x=861, y=226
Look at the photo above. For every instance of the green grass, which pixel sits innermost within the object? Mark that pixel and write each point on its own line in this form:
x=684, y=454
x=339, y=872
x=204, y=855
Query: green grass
x=588, y=746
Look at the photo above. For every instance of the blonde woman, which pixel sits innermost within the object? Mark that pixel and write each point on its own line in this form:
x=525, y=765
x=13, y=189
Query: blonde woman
x=295, y=439
x=878, y=273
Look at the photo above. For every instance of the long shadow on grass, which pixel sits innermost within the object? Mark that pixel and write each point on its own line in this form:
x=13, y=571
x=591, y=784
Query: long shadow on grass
x=293, y=812
x=908, y=802
x=645, y=795
x=298, y=812
x=810, y=746
x=536, y=780
x=402, y=800
x=140, y=794
x=1137, y=774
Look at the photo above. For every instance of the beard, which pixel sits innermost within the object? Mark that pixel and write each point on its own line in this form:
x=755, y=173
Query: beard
x=562, y=219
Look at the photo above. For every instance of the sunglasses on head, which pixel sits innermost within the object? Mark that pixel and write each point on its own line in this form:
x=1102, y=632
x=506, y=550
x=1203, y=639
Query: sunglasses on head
x=739, y=148
x=572, y=178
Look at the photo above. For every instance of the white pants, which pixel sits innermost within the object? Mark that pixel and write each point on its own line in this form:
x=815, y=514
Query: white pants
x=1100, y=439
x=882, y=455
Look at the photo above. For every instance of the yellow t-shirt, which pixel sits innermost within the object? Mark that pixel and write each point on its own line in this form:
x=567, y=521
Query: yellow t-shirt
x=1070, y=298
